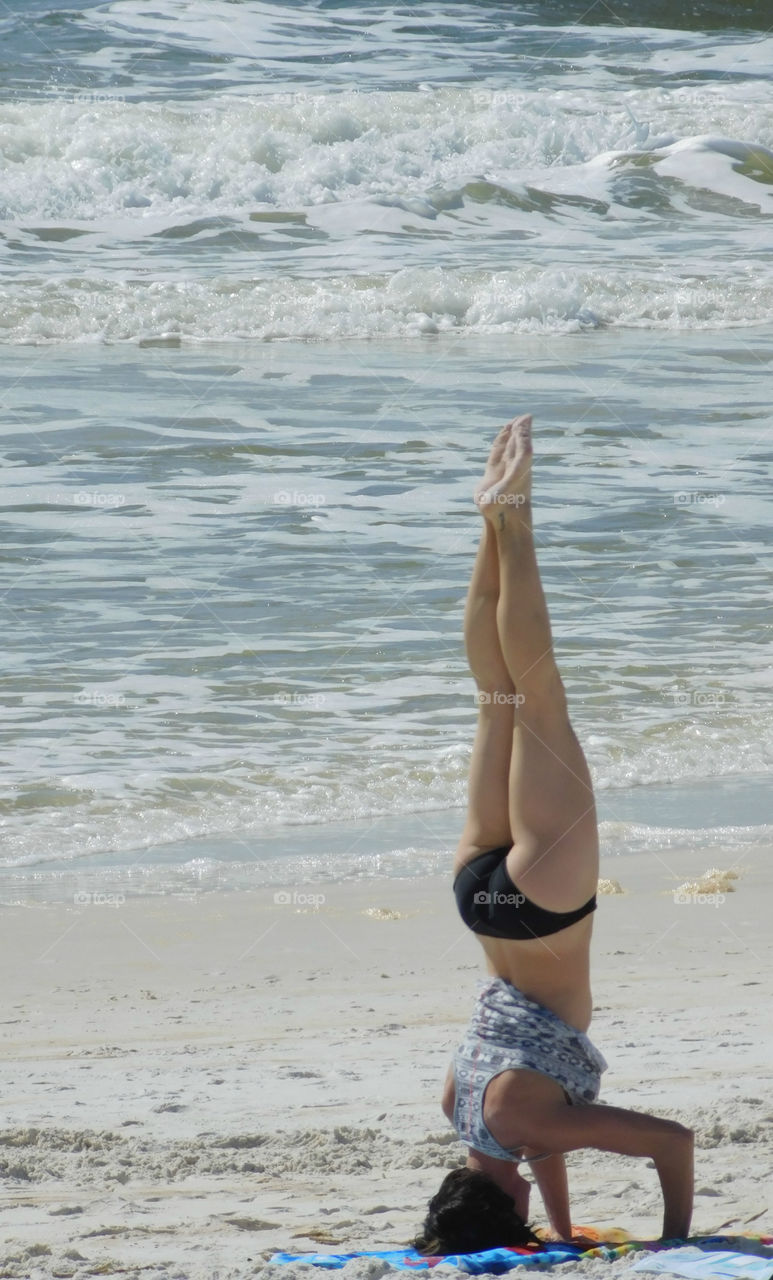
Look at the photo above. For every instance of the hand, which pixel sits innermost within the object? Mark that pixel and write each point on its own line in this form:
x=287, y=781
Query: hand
x=586, y=1236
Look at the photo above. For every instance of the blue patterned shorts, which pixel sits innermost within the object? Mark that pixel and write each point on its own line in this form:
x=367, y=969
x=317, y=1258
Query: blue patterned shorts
x=508, y=1032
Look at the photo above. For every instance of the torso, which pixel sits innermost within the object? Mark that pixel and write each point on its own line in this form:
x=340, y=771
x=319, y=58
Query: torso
x=554, y=971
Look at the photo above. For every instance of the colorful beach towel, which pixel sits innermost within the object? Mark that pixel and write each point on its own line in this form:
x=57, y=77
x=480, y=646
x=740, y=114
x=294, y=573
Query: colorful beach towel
x=498, y=1261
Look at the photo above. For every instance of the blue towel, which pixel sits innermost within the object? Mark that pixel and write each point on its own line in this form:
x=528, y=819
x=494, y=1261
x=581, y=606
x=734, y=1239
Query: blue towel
x=498, y=1261
x=490, y=1261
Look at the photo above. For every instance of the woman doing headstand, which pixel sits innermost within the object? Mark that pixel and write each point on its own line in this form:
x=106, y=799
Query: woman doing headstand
x=524, y=1082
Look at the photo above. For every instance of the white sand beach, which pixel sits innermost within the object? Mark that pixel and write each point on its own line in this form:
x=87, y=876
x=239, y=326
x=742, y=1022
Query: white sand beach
x=191, y=1083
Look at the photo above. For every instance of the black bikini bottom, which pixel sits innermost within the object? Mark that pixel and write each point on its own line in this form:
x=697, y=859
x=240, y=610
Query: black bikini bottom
x=489, y=902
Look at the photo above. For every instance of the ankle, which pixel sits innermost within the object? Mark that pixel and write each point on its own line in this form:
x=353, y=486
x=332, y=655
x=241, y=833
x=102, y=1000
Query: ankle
x=512, y=520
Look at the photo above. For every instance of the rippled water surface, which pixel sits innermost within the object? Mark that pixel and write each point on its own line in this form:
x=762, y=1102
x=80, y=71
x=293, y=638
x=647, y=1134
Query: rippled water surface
x=271, y=277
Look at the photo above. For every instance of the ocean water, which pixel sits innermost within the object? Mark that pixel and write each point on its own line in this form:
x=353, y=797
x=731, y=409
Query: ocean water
x=272, y=276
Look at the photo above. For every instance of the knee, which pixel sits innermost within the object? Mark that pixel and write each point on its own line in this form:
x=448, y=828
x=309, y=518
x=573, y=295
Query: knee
x=494, y=695
x=542, y=686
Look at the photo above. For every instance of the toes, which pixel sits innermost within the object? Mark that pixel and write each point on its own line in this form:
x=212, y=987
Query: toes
x=500, y=443
x=519, y=441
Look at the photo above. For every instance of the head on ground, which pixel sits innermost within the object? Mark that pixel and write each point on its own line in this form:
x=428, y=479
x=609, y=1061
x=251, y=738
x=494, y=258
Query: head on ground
x=470, y=1213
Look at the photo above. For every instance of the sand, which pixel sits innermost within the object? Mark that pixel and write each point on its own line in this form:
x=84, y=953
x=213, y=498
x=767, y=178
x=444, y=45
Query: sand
x=194, y=1082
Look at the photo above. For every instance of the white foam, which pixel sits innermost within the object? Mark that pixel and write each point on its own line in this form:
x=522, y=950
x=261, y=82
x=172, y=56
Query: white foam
x=636, y=837
x=214, y=793
x=85, y=161
x=413, y=303
x=702, y=163
x=348, y=215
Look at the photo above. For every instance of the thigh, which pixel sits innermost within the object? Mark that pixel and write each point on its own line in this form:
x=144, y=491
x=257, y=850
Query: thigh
x=554, y=859
x=488, y=816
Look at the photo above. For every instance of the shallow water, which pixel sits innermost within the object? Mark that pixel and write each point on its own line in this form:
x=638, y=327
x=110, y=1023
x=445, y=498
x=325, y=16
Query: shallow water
x=229, y=618
x=272, y=276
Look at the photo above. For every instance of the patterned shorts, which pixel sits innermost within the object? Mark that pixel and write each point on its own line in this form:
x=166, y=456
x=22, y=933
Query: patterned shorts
x=508, y=1032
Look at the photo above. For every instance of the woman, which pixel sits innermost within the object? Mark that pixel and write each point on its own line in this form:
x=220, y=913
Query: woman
x=524, y=1082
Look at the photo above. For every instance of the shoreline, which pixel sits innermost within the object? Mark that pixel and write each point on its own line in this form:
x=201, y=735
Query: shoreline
x=198, y=1083
x=721, y=818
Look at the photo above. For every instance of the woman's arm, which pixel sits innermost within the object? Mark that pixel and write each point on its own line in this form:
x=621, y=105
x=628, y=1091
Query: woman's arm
x=558, y=1128
x=550, y=1176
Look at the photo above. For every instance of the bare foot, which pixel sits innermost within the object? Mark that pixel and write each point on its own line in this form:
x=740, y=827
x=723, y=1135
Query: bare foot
x=506, y=483
x=495, y=467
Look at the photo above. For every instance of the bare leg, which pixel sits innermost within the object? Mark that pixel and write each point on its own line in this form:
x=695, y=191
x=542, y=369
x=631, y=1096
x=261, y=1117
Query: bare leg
x=554, y=858
x=488, y=814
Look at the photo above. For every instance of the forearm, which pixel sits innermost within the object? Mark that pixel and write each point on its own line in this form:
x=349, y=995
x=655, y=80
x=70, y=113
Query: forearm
x=630, y=1133
x=550, y=1176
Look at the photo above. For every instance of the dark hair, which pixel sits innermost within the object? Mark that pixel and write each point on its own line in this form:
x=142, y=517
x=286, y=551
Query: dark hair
x=470, y=1213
